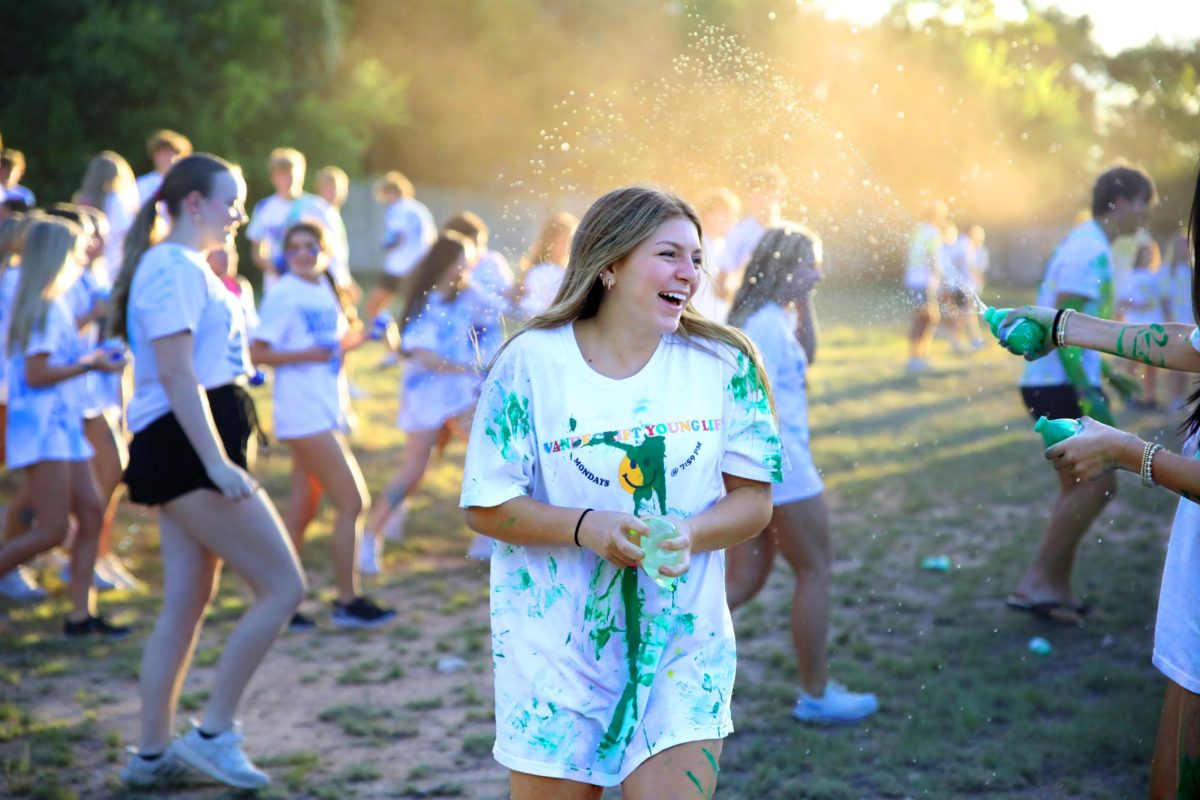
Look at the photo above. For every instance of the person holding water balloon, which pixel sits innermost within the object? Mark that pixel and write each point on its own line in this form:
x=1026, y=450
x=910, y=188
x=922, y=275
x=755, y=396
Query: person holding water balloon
x=1096, y=451
x=618, y=407
x=1067, y=384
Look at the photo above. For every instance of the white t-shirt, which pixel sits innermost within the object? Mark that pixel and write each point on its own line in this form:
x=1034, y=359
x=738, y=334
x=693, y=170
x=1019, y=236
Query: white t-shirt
x=310, y=398
x=175, y=291
x=1142, y=296
x=409, y=232
x=597, y=669
x=9, y=279
x=773, y=329
x=541, y=285
x=148, y=184
x=120, y=210
x=492, y=281
x=273, y=215
x=449, y=328
x=1176, y=634
x=46, y=423
x=924, y=262
x=102, y=389
x=1082, y=265
x=1179, y=283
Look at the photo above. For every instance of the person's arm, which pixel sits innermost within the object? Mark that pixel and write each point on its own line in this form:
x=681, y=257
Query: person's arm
x=40, y=373
x=1157, y=345
x=176, y=372
x=1099, y=449
x=525, y=521
x=806, y=314
x=265, y=354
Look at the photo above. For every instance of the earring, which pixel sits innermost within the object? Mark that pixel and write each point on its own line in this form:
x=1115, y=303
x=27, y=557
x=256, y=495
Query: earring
x=607, y=279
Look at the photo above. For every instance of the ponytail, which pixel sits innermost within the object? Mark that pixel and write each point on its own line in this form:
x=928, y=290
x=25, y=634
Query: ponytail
x=192, y=174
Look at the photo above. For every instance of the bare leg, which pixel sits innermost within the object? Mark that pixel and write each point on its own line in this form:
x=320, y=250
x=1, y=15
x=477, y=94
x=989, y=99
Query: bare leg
x=304, y=502
x=412, y=468
x=1048, y=578
x=107, y=466
x=378, y=299
x=328, y=459
x=1177, y=750
x=534, y=787
x=190, y=579
x=747, y=567
x=46, y=484
x=801, y=532
x=89, y=513
x=249, y=536
x=685, y=772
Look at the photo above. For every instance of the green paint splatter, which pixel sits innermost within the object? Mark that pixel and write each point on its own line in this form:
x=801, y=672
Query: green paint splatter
x=688, y=621
x=696, y=782
x=624, y=721
x=598, y=609
x=572, y=424
x=509, y=423
x=650, y=458
x=747, y=387
x=524, y=579
x=712, y=760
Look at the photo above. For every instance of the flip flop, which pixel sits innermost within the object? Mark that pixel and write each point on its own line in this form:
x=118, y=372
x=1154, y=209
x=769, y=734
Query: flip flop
x=1050, y=610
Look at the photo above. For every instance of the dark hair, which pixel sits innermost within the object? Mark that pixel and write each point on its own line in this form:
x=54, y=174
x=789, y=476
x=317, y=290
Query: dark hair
x=1121, y=181
x=772, y=266
x=317, y=231
x=449, y=247
x=68, y=211
x=468, y=223
x=1192, y=424
x=195, y=173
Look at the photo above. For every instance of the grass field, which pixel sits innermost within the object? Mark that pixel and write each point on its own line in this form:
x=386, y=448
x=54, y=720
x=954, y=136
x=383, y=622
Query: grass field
x=943, y=464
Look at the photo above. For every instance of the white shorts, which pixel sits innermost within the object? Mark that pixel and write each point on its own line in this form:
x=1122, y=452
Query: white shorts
x=429, y=401
x=801, y=483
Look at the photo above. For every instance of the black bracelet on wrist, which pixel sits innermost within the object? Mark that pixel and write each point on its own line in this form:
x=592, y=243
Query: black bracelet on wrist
x=578, y=523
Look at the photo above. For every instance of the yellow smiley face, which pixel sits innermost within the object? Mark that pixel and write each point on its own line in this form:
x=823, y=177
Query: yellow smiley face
x=630, y=475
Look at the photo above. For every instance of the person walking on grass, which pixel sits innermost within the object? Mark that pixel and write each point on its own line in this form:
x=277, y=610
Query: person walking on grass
x=1093, y=454
x=619, y=402
x=192, y=421
x=1067, y=384
x=303, y=332
x=780, y=278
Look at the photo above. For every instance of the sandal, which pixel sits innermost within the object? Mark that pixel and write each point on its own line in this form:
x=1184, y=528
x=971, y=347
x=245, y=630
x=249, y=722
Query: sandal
x=1050, y=610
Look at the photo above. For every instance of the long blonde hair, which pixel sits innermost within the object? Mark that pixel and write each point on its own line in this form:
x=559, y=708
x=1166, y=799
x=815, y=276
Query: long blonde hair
x=555, y=229
x=49, y=253
x=610, y=230
x=195, y=173
x=106, y=173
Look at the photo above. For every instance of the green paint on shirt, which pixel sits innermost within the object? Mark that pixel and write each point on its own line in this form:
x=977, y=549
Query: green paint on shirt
x=509, y=423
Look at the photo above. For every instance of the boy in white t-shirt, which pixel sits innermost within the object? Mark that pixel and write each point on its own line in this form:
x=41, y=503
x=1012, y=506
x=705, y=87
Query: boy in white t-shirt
x=164, y=147
x=409, y=232
x=1066, y=384
x=273, y=215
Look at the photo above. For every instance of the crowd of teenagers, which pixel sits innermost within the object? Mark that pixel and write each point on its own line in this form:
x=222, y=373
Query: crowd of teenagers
x=130, y=340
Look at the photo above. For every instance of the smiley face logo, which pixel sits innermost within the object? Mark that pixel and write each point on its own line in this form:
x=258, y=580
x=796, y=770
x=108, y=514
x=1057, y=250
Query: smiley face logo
x=629, y=475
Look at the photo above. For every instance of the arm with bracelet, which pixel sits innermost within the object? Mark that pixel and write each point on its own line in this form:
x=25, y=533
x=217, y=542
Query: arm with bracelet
x=1155, y=345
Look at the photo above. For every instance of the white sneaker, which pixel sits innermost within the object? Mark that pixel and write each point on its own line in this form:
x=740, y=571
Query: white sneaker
x=393, y=527
x=221, y=758
x=837, y=705
x=369, y=555
x=481, y=548
x=112, y=570
x=916, y=365
x=166, y=769
x=21, y=586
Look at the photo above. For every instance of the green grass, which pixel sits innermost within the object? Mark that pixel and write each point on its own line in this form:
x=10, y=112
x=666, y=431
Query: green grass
x=941, y=464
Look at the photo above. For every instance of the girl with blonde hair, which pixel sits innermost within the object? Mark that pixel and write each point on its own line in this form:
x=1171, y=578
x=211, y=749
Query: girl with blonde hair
x=543, y=265
x=619, y=403
x=774, y=308
x=44, y=436
x=192, y=420
x=109, y=185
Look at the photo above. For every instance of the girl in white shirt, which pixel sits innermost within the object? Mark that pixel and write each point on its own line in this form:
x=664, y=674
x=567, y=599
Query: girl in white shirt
x=544, y=264
x=441, y=375
x=109, y=185
x=774, y=308
x=192, y=421
x=303, y=331
x=619, y=402
x=44, y=436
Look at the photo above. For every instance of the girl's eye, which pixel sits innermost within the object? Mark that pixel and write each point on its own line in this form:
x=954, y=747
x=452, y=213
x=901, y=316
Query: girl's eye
x=668, y=253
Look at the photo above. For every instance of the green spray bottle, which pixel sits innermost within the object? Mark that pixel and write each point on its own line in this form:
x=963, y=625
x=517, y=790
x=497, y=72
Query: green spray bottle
x=1054, y=431
x=1024, y=336
x=660, y=531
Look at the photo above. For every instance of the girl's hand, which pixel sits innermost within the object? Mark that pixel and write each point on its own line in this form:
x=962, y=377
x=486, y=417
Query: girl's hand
x=103, y=359
x=231, y=480
x=320, y=353
x=681, y=544
x=1044, y=317
x=1096, y=450
x=607, y=534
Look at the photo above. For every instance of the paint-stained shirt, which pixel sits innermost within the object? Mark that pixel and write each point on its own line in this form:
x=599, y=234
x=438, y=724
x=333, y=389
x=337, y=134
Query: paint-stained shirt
x=598, y=668
x=1081, y=266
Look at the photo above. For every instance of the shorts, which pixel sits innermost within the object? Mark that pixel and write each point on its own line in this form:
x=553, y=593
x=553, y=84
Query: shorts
x=1053, y=402
x=956, y=298
x=163, y=465
x=919, y=299
x=802, y=482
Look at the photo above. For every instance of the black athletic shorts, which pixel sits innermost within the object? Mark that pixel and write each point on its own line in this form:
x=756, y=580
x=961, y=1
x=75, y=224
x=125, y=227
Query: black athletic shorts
x=163, y=464
x=1053, y=402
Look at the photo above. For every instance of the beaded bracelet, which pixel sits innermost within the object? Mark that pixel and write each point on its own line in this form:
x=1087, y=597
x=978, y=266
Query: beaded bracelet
x=1060, y=327
x=1148, y=464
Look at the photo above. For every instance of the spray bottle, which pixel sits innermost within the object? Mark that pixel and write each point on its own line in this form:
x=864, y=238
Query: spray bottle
x=1023, y=336
x=660, y=531
x=1054, y=431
